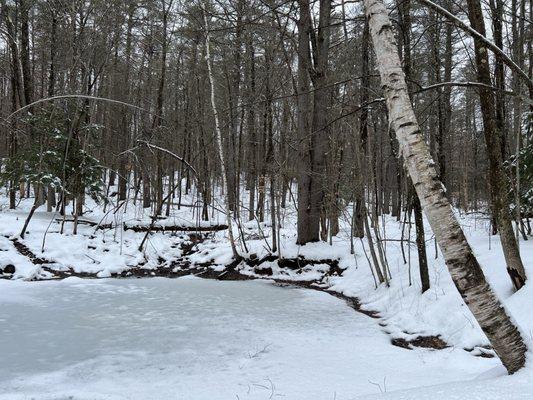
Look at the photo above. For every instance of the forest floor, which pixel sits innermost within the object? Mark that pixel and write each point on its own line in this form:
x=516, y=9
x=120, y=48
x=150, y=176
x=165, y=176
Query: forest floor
x=195, y=339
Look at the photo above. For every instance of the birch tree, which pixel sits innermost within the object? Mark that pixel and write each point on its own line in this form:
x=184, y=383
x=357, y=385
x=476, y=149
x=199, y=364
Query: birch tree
x=464, y=268
x=219, y=138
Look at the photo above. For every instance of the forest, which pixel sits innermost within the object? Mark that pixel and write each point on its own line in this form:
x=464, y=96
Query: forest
x=344, y=189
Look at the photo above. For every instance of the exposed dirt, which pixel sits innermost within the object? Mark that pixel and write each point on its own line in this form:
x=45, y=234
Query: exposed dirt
x=429, y=342
x=25, y=251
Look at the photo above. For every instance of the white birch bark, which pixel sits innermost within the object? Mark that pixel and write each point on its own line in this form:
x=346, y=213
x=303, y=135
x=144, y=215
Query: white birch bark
x=219, y=140
x=460, y=260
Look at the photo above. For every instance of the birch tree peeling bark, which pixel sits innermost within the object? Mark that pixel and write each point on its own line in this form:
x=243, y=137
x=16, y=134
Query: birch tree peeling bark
x=460, y=260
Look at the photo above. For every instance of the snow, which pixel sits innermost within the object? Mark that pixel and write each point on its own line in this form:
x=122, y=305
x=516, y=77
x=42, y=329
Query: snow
x=24, y=267
x=194, y=339
x=516, y=388
x=198, y=339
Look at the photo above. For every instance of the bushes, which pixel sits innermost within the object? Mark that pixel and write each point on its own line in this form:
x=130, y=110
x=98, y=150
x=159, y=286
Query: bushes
x=53, y=152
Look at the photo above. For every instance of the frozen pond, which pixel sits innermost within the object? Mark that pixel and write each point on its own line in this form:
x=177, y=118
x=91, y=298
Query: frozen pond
x=199, y=339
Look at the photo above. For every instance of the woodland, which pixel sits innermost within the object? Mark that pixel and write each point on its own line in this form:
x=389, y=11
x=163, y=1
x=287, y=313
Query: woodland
x=364, y=148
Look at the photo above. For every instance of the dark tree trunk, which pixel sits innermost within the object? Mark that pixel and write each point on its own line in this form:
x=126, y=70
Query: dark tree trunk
x=496, y=176
x=313, y=152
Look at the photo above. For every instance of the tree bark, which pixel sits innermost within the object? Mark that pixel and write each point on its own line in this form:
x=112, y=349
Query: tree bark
x=220, y=146
x=405, y=9
x=250, y=125
x=25, y=50
x=421, y=244
x=308, y=223
x=314, y=141
x=462, y=264
x=496, y=177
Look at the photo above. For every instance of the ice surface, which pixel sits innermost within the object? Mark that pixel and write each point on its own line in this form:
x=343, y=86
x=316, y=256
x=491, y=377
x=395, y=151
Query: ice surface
x=198, y=339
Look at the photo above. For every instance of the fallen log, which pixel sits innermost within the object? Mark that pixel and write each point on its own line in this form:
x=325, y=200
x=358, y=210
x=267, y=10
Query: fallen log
x=174, y=228
x=87, y=222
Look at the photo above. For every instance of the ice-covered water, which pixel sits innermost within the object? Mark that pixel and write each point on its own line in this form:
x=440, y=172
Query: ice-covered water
x=198, y=339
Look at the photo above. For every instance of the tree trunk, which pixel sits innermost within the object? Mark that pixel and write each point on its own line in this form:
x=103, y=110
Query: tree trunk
x=496, y=7
x=497, y=179
x=462, y=264
x=308, y=223
x=417, y=209
x=314, y=140
x=446, y=100
x=250, y=125
x=420, y=243
x=220, y=147
x=25, y=50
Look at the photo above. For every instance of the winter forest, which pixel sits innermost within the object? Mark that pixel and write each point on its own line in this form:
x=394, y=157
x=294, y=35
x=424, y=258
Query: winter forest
x=263, y=199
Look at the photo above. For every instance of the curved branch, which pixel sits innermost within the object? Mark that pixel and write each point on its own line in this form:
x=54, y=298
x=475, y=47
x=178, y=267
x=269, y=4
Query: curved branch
x=495, y=49
x=469, y=84
x=77, y=96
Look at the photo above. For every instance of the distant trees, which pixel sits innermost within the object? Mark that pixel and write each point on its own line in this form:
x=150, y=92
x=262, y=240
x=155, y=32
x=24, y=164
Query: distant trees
x=301, y=125
x=292, y=92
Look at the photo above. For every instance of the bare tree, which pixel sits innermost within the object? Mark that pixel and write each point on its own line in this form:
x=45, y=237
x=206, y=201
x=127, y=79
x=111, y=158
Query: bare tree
x=496, y=176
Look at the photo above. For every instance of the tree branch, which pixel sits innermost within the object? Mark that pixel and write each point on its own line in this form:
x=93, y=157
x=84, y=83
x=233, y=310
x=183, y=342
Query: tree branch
x=495, y=49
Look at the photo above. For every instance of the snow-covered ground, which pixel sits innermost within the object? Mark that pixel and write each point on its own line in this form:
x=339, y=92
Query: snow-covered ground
x=194, y=339
x=199, y=339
